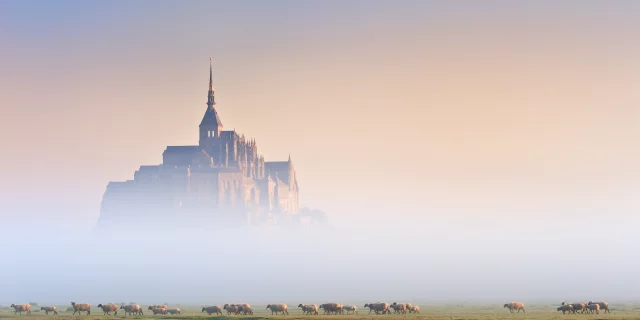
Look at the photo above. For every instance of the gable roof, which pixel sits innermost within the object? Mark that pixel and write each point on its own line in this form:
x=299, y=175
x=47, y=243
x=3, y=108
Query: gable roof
x=211, y=118
x=182, y=149
x=279, y=169
x=182, y=155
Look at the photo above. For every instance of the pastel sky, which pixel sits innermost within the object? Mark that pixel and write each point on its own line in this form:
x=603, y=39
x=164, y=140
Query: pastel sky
x=430, y=109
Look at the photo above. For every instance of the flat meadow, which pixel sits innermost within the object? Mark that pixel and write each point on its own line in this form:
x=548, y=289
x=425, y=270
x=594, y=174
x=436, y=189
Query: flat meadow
x=448, y=312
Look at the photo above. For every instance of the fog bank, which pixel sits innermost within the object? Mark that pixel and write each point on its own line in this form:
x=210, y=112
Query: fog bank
x=430, y=260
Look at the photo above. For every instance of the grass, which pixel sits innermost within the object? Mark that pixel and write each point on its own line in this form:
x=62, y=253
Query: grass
x=427, y=312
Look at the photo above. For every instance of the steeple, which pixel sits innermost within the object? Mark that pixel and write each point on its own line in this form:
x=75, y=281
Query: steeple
x=211, y=101
x=211, y=117
x=210, y=126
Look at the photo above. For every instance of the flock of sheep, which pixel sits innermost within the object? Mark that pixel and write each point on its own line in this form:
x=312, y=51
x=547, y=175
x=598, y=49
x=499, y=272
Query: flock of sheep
x=231, y=309
x=312, y=309
x=309, y=309
x=581, y=307
x=129, y=309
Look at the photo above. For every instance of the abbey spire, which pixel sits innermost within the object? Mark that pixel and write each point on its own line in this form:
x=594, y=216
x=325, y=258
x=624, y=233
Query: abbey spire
x=211, y=126
x=211, y=101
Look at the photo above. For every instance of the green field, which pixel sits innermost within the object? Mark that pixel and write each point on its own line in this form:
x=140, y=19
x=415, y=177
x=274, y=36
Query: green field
x=426, y=312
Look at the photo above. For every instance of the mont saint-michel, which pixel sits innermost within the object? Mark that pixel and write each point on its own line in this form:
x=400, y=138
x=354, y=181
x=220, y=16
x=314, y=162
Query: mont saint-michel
x=222, y=179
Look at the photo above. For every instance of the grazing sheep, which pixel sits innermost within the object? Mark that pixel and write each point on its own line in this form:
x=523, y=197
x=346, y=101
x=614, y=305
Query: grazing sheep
x=231, y=309
x=414, y=309
x=278, y=308
x=352, y=309
x=132, y=308
x=565, y=308
x=159, y=311
x=21, y=308
x=603, y=305
x=305, y=308
x=593, y=307
x=49, y=309
x=244, y=308
x=309, y=308
x=109, y=307
x=399, y=307
x=173, y=311
x=213, y=309
x=334, y=308
x=515, y=306
x=248, y=310
x=241, y=308
x=578, y=306
x=79, y=307
x=378, y=307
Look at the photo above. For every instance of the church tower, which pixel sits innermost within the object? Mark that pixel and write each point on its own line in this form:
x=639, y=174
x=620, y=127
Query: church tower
x=211, y=126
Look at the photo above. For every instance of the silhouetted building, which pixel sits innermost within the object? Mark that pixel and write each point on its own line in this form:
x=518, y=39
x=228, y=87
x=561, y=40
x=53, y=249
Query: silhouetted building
x=223, y=178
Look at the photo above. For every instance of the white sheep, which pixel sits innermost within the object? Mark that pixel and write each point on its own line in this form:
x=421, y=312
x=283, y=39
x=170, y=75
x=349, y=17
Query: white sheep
x=275, y=308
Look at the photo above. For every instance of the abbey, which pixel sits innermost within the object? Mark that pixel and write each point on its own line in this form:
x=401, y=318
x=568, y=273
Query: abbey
x=221, y=178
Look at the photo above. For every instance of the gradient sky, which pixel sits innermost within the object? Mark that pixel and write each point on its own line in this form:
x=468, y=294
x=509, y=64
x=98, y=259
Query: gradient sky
x=500, y=109
x=468, y=143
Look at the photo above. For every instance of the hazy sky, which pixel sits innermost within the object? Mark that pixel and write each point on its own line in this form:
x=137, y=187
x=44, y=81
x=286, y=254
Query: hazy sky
x=431, y=107
x=499, y=123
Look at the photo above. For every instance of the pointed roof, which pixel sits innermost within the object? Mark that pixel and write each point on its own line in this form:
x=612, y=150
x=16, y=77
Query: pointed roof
x=211, y=117
x=279, y=168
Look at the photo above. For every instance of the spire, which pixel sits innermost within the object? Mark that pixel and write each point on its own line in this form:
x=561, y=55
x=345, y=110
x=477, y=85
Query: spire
x=211, y=118
x=211, y=101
